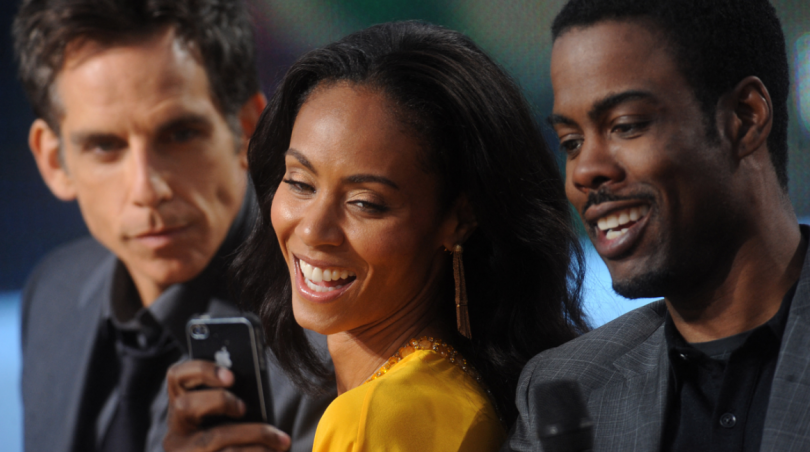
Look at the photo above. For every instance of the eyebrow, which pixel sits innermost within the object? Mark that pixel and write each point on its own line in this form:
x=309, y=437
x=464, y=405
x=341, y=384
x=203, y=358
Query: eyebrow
x=354, y=179
x=82, y=137
x=300, y=157
x=364, y=178
x=185, y=120
x=602, y=106
x=611, y=101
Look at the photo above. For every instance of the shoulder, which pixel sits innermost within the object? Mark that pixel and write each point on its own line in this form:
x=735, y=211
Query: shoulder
x=67, y=262
x=423, y=393
x=62, y=274
x=590, y=357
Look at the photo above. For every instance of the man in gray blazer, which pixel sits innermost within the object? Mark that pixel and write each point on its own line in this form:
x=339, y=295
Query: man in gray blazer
x=673, y=117
x=144, y=112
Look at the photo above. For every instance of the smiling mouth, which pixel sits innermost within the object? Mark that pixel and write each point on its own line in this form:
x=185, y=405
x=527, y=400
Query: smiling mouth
x=617, y=223
x=325, y=279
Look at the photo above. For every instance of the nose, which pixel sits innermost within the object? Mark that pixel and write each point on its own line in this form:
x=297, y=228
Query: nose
x=149, y=184
x=594, y=166
x=320, y=223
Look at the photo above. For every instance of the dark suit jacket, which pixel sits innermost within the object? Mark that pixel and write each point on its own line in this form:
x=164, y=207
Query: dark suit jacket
x=623, y=371
x=61, y=319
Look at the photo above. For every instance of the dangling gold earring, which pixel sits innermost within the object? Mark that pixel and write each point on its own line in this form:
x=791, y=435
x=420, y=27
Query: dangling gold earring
x=462, y=315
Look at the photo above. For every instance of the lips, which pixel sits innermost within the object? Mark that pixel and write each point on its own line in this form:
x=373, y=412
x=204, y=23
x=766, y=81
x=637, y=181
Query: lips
x=160, y=238
x=617, y=226
x=321, y=284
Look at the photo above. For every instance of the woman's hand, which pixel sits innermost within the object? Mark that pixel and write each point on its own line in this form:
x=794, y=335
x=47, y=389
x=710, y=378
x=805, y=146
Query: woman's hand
x=188, y=407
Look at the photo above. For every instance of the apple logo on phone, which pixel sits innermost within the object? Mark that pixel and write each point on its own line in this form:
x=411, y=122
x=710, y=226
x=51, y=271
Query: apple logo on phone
x=223, y=358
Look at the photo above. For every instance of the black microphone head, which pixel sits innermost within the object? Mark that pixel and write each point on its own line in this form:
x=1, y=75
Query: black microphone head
x=563, y=421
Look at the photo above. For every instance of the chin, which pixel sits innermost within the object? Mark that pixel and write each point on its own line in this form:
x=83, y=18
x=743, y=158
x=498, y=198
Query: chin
x=313, y=321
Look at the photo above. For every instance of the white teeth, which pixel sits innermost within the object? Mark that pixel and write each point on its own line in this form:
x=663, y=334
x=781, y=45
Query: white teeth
x=610, y=235
x=314, y=274
x=318, y=288
x=621, y=218
x=602, y=224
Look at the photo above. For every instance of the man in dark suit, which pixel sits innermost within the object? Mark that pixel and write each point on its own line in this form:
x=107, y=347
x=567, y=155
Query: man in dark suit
x=144, y=112
x=673, y=117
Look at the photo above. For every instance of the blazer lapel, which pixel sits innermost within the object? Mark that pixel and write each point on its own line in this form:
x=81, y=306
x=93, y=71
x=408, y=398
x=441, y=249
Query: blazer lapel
x=632, y=416
x=787, y=422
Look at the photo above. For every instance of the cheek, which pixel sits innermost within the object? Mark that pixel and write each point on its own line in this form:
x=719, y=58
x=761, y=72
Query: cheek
x=282, y=217
x=394, y=249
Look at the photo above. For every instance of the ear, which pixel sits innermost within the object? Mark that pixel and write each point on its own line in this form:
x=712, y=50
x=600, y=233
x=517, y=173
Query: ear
x=751, y=116
x=248, y=118
x=460, y=223
x=44, y=144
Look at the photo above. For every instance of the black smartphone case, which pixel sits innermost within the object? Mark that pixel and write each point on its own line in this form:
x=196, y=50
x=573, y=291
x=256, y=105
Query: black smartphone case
x=236, y=343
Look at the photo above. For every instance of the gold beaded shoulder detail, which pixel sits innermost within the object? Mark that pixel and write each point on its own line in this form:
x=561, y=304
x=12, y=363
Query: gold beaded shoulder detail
x=427, y=343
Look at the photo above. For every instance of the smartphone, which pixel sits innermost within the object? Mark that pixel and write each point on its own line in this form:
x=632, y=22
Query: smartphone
x=236, y=343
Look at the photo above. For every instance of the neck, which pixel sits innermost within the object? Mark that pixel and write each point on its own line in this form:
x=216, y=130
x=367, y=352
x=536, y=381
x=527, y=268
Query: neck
x=761, y=272
x=359, y=353
x=147, y=290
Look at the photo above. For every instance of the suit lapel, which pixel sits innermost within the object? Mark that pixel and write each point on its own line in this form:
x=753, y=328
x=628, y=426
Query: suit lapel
x=788, y=418
x=637, y=394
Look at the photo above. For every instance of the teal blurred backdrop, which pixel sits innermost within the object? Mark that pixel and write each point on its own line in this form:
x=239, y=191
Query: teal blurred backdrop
x=515, y=33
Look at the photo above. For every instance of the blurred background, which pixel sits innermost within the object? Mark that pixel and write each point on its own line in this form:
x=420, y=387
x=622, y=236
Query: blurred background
x=514, y=32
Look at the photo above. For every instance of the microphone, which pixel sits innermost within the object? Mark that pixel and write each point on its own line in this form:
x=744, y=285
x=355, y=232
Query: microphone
x=564, y=424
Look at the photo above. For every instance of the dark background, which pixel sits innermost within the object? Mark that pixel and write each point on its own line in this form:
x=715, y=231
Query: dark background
x=515, y=33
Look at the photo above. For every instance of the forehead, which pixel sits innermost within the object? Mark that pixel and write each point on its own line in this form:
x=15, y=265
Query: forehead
x=593, y=62
x=136, y=78
x=355, y=119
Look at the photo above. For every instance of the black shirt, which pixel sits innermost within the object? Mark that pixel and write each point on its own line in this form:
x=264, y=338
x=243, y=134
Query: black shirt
x=719, y=390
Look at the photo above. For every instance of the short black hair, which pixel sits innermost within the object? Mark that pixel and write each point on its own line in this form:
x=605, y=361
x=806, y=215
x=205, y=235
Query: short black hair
x=523, y=263
x=715, y=43
x=219, y=30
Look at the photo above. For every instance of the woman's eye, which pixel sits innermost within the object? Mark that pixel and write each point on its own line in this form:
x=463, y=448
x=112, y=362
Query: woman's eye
x=369, y=207
x=299, y=187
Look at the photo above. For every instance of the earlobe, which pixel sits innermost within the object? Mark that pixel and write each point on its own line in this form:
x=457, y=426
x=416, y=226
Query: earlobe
x=752, y=116
x=462, y=223
x=45, y=147
x=248, y=118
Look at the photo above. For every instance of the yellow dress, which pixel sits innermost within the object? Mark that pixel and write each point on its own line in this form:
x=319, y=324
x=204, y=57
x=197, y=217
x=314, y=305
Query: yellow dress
x=423, y=403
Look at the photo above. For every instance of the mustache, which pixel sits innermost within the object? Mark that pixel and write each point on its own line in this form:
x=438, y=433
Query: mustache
x=603, y=195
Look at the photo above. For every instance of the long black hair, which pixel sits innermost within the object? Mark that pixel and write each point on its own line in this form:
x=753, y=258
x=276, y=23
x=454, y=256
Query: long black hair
x=523, y=262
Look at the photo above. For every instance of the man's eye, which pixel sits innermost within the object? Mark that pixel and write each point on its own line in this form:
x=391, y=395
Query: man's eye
x=630, y=128
x=570, y=146
x=183, y=135
x=105, y=146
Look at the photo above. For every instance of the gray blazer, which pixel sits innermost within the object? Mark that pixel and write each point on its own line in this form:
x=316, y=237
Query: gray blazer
x=61, y=316
x=623, y=371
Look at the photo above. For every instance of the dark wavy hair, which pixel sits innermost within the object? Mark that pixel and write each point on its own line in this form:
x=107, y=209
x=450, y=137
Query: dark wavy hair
x=715, y=43
x=220, y=30
x=523, y=263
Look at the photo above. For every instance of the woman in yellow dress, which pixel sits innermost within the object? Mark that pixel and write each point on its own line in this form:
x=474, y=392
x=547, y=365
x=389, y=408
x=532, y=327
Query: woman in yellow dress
x=411, y=212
